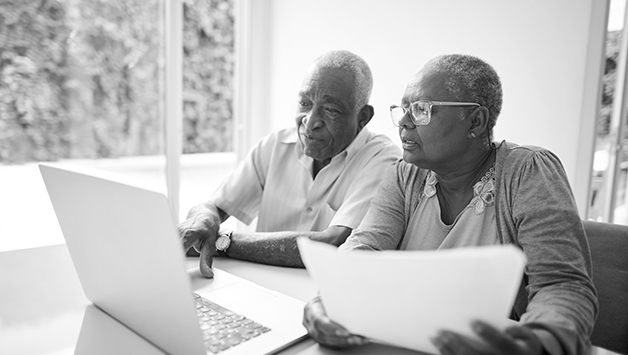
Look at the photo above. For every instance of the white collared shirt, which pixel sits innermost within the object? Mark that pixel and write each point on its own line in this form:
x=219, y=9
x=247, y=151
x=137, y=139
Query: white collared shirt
x=274, y=183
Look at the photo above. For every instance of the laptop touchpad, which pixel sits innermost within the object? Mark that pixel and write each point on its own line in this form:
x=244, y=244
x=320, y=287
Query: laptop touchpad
x=240, y=297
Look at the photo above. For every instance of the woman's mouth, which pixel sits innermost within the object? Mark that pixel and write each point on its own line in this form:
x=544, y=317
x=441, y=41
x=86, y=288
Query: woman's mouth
x=408, y=144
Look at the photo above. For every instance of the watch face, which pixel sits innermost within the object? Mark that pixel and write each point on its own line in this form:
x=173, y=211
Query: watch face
x=222, y=243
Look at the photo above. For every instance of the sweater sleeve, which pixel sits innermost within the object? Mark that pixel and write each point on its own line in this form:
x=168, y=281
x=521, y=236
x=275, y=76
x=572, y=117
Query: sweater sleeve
x=543, y=220
x=383, y=226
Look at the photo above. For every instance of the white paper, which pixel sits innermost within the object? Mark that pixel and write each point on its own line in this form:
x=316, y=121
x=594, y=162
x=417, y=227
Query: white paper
x=405, y=297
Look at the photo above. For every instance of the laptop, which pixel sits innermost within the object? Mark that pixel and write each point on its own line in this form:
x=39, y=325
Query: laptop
x=131, y=265
x=102, y=335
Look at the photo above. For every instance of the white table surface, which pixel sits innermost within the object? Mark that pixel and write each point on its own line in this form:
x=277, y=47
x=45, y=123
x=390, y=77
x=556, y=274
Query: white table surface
x=43, y=309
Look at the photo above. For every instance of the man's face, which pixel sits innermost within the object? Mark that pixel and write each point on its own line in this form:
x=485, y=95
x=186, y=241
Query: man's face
x=442, y=142
x=327, y=119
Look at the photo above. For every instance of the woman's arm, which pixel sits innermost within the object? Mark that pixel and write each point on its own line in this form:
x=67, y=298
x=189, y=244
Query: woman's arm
x=384, y=225
x=544, y=222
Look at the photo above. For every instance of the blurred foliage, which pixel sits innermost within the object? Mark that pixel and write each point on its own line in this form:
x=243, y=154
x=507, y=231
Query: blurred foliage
x=208, y=64
x=613, y=44
x=609, y=80
x=85, y=78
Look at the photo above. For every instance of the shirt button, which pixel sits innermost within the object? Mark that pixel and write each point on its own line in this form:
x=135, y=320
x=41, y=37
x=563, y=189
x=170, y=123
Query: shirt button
x=309, y=209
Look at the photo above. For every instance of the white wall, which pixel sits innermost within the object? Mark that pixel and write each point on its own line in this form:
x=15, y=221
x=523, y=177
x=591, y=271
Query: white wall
x=548, y=54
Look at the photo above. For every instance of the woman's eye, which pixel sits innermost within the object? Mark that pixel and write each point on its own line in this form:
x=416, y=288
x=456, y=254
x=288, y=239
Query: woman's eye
x=422, y=111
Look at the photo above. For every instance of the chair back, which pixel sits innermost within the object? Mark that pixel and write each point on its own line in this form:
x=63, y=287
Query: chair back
x=609, y=255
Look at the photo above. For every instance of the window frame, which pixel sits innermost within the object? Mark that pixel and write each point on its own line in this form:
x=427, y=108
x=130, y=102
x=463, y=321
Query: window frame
x=617, y=127
x=173, y=44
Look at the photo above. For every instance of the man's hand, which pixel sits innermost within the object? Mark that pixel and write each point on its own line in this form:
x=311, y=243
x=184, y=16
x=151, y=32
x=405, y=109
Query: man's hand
x=326, y=332
x=199, y=231
x=515, y=340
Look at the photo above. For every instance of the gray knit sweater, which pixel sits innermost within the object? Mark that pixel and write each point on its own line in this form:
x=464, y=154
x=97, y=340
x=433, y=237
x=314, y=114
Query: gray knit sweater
x=535, y=210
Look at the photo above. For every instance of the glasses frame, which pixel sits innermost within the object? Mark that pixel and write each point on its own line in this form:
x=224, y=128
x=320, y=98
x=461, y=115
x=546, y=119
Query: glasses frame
x=425, y=121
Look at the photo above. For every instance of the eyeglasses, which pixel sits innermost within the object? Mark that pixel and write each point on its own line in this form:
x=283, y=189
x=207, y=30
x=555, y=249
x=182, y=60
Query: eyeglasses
x=421, y=111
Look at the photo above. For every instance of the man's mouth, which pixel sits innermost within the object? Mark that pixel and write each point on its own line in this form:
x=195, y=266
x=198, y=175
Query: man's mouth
x=309, y=137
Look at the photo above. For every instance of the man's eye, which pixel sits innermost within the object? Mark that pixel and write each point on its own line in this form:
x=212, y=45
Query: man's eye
x=332, y=112
x=304, y=104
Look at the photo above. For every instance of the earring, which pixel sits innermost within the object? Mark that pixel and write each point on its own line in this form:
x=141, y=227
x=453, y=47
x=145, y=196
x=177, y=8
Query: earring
x=472, y=135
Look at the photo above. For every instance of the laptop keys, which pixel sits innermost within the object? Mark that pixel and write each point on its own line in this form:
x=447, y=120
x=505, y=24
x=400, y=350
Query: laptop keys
x=222, y=328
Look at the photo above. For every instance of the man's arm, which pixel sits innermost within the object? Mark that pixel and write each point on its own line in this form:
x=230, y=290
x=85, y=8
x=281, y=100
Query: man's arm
x=280, y=248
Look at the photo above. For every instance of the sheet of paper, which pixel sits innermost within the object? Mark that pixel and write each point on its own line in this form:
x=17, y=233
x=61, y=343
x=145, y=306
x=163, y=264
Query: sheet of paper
x=405, y=297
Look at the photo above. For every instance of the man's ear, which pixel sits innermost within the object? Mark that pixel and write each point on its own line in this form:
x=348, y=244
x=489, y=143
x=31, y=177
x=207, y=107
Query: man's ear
x=479, y=121
x=365, y=115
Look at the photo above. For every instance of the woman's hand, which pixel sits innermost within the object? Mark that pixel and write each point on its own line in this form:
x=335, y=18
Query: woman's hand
x=326, y=332
x=515, y=340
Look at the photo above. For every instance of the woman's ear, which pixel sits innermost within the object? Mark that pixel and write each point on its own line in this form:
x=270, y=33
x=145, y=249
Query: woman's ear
x=479, y=121
x=364, y=116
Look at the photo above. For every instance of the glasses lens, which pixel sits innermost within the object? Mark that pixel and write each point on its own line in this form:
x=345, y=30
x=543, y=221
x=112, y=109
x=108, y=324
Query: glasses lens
x=421, y=112
x=396, y=114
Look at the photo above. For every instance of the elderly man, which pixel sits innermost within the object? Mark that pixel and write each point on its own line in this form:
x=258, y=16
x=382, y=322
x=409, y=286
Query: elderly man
x=314, y=180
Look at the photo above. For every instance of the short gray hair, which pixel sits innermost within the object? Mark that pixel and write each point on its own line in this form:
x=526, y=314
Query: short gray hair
x=471, y=79
x=354, y=64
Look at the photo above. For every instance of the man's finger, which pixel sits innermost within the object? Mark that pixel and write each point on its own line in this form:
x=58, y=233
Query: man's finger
x=206, y=259
x=189, y=238
x=184, y=242
x=198, y=245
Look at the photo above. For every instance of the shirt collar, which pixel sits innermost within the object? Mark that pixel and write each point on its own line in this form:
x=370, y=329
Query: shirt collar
x=358, y=142
x=291, y=137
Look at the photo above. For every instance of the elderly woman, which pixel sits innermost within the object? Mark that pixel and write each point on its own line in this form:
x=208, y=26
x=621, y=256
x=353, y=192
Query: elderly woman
x=456, y=188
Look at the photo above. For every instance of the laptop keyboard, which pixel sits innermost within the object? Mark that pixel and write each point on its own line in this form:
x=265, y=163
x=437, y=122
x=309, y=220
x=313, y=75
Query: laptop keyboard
x=223, y=329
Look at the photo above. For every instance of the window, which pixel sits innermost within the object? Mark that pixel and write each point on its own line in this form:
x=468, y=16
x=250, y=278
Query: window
x=83, y=82
x=207, y=122
x=608, y=199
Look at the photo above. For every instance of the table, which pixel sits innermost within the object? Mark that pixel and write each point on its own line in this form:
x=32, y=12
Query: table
x=43, y=309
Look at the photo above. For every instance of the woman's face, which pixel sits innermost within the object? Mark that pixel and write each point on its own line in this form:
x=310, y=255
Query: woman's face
x=442, y=142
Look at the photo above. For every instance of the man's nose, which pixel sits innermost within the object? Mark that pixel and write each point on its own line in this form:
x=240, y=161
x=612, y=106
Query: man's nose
x=312, y=120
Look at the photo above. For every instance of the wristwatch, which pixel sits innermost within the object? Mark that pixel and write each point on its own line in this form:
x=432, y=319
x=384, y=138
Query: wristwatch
x=223, y=242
